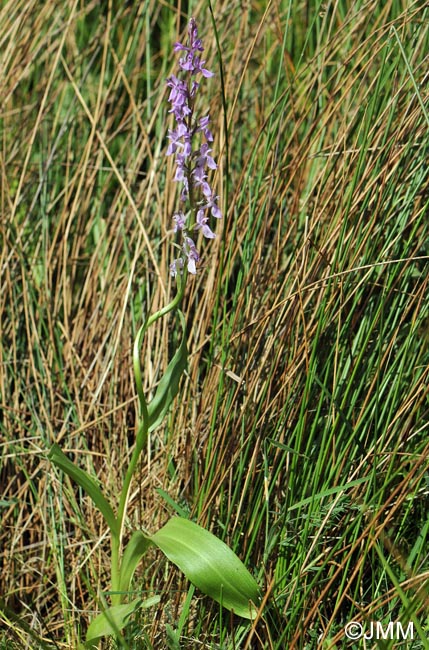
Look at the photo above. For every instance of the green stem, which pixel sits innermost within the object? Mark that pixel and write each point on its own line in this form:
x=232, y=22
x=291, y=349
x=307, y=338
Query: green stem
x=116, y=597
x=141, y=440
x=139, y=338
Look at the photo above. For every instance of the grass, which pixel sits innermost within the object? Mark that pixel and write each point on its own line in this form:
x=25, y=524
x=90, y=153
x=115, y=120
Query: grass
x=300, y=435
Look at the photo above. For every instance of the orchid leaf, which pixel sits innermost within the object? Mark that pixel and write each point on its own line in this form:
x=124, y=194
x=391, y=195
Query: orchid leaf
x=114, y=619
x=134, y=551
x=87, y=483
x=168, y=387
x=209, y=564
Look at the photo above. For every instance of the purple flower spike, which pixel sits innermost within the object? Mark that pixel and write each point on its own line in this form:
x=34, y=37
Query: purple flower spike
x=192, y=161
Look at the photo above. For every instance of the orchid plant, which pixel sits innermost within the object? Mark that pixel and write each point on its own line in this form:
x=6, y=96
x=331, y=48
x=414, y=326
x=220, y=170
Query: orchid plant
x=207, y=562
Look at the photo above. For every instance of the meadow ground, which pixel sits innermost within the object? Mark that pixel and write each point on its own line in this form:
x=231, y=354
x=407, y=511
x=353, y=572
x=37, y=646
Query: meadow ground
x=300, y=432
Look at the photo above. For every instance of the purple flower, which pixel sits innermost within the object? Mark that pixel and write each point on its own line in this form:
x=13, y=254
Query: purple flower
x=200, y=180
x=196, y=43
x=203, y=157
x=175, y=136
x=180, y=174
x=193, y=159
x=198, y=67
x=191, y=253
x=214, y=207
x=176, y=267
x=202, y=223
x=191, y=62
x=179, y=221
x=203, y=126
x=179, y=98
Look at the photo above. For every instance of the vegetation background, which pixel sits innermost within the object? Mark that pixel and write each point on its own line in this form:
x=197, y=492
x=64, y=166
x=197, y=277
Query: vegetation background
x=300, y=435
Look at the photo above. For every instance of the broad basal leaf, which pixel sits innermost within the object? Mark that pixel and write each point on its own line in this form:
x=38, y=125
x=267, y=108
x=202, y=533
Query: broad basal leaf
x=114, y=619
x=209, y=564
